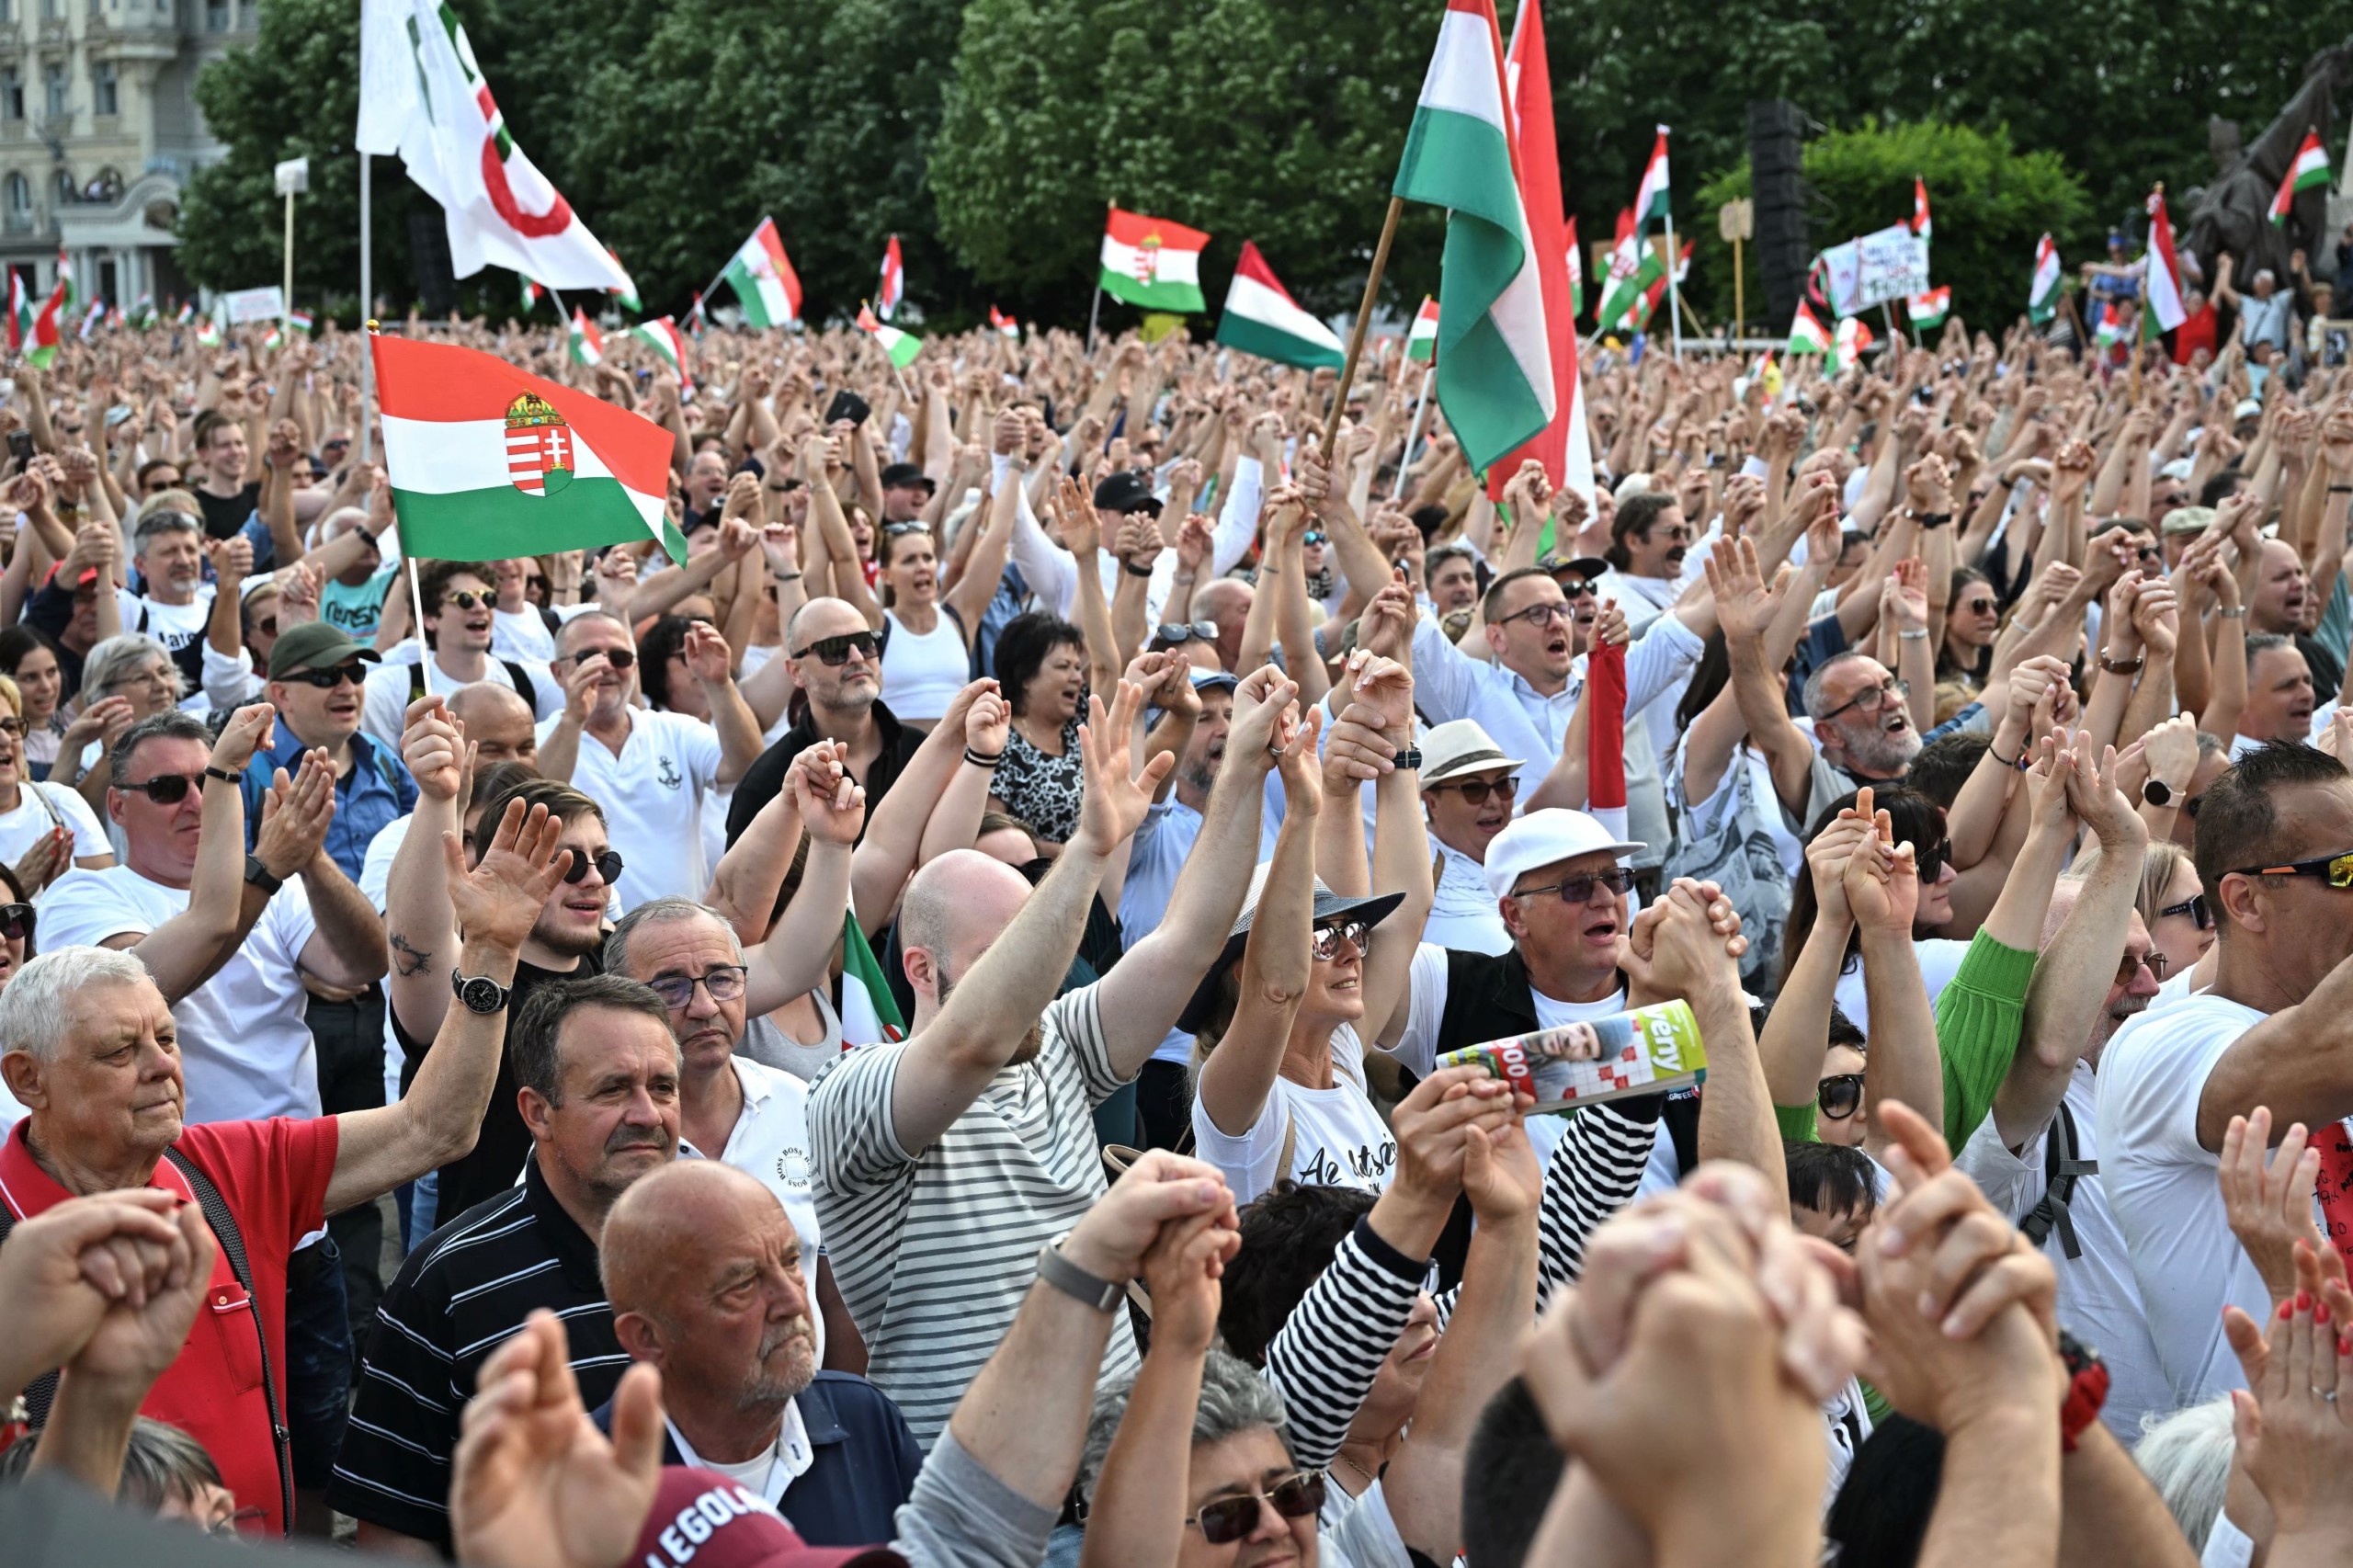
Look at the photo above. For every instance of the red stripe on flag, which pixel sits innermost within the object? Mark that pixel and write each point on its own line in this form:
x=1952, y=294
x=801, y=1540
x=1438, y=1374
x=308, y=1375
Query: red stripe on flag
x=1605, y=753
x=438, y=381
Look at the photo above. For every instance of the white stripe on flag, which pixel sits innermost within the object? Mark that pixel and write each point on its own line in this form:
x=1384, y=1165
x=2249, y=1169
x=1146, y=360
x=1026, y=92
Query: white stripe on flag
x=435, y=457
x=1175, y=265
x=1462, y=78
x=1254, y=300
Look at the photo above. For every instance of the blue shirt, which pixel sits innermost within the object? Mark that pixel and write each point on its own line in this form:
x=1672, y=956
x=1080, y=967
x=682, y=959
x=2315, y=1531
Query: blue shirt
x=863, y=1465
x=376, y=789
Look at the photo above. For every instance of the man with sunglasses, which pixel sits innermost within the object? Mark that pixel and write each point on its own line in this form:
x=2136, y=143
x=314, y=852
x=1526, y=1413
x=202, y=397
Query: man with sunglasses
x=1468, y=787
x=837, y=663
x=460, y=622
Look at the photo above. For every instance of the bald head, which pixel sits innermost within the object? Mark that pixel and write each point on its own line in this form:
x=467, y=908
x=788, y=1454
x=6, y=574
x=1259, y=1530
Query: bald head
x=498, y=722
x=665, y=1224
x=955, y=907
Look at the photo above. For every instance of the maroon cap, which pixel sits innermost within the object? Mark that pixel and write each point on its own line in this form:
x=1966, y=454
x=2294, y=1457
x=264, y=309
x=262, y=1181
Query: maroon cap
x=701, y=1517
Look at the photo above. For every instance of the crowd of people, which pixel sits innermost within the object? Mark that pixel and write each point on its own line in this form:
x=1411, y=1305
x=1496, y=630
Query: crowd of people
x=933, y=1024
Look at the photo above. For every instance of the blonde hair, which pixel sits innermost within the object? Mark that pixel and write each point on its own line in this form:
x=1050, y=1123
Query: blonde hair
x=12, y=696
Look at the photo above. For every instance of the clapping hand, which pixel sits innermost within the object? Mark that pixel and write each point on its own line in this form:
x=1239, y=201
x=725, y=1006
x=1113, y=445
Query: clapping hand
x=498, y=900
x=1115, y=799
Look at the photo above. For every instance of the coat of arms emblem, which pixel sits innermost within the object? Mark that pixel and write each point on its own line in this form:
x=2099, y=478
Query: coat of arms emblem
x=540, y=456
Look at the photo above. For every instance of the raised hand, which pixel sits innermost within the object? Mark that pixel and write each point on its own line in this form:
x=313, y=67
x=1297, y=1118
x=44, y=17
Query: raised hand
x=1744, y=606
x=1679, y=947
x=2270, y=1203
x=297, y=595
x=433, y=745
x=1258, y=702
x=498, y=900
x=65, y=1270
x=1432, y=1125
x=1181, y=1270
x=142, y=1333
x=1160, y=1191
x=249, y=730
x=1115, y=799
x=295, y=815
x=1882, y=880
x=1297, y=758
x=709, y=659
x=1826, y=858
x=989, y=718
x=2096, y=799
x=832, y=803
x=1386, y=688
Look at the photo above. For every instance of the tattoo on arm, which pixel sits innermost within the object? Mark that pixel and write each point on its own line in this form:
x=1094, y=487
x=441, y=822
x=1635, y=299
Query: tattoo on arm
x=407, y=957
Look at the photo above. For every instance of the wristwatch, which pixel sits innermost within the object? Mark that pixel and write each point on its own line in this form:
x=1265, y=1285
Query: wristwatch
x=2158, y=793
x=1410, y=757
x=260, y=876
x=1074, y=1281
x=479, y=992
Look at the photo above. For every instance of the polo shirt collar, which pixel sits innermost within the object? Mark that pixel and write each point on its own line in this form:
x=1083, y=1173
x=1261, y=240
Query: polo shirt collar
x=574, y=1252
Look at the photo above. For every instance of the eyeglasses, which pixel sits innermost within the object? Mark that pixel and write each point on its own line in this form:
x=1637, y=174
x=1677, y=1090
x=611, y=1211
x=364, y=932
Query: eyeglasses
x=1579, y=888
x=618, y=658
x=12, y=727
x=893, y=530
x=2194, y=907
x=1204, y=630
x=1228, y=1519
x=1325, y=942
x=835, y=651
x=1839, y=1096
x=327, y=680
x=1476, y=790
x=16, y=922
x=2131, y=964
x=165, y=789
x=1930, y=860
x=463, y=600
x=1873, y=698
x=1979, y=607
x=609, y=867
x=1539, y=615
x=724, y=982
x=338, y=444
x=2338, y=869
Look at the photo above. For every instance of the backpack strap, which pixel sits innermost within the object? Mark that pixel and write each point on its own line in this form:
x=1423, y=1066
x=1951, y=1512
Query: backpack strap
x=416, y=679
x=522, y=680
x=2061, y=1171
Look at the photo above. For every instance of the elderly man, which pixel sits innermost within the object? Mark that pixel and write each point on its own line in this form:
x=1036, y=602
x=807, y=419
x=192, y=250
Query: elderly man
x=1466, y=788
x=600, y=1076
x=93, y=1051
x=1862, y=729
x=175, y=603
x=708, y=1280
x=2279, y=695
x=944, y=1162
x=837, y=666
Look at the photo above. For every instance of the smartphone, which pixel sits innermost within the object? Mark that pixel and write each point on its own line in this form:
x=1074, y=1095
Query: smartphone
x=20, y=446
x=847, y=405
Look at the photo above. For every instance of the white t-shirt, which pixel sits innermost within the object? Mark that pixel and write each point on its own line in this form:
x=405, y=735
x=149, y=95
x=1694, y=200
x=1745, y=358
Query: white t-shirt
x=375, y=882
x=384, y=700
x=174, y=626
x=23, y=828
x=654, y=794
x=2164, y=1190
x=1939, y=961
x=245, y=1044
x=1337, y=1138
x=770, y=1142
x=521, y=635
x=921, y=672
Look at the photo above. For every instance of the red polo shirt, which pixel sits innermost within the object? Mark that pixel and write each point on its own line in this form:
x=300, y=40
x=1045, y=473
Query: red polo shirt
x=274, y=1175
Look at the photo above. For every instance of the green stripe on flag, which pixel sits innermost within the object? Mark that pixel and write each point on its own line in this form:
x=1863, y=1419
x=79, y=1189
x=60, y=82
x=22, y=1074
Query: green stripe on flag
x=1237, y=331
x=501, y=522
x=1461, y=161
x=859, y=962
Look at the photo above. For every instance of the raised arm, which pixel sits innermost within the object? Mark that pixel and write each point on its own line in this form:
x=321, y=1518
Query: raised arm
x=1687, y=945
x=1746, y=613
x=1883, y=886
x=186, y=951
x=420, y=925
x=1790, y=1050
x=794, y=959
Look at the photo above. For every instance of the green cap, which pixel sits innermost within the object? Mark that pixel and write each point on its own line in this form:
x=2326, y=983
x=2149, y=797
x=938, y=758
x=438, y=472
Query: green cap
x=315, y=645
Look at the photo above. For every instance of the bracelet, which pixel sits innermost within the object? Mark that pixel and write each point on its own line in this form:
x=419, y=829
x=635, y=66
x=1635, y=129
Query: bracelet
x=2235, y=613
x=1919, y=636
x=1994, y=752
x=2130, y=666
x=787, y=576
x=2341, y=490
x=223, y=775
x=983, y=758
x=1932, y=520
x=1132, y=570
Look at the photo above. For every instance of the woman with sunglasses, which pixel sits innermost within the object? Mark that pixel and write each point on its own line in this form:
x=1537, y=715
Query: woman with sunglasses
x=46, y=830
x=928, y=637
x=2172, y=903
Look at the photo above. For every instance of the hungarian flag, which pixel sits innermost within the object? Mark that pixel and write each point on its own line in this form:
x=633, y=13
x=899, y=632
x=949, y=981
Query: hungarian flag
x=96, y=313
x=1152, y=263
x=143, y=314
x=528, y=293
x=271, y=344
x=626, y=291
x=893, y=281
x=1421, y=340
x=902, y=347
x=1604, y=742
x=2164, y=310
x=1846, y=350
x=764, y=280
x=488, y=462
x=207, y=335
x=2308, y=170
x=1261, y=318
x=301, y=321
x=64, y=278
x=1656, y=290
x=1495, y=366
x=1806, y=333
x=1003, y=322
x=20, y=312
x=1929, y=310
x=1920, y=224
x=2043, y=299
x=1651, y=196
x=697, y=322
x=587, y=343
x=661, y=336
x=1626, y=282
x=46, y=332
x=188, y=313
x=878, y=1019
x=1576, y=268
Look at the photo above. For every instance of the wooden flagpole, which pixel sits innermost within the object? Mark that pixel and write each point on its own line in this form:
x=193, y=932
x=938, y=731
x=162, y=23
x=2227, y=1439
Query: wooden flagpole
x=1364, y=317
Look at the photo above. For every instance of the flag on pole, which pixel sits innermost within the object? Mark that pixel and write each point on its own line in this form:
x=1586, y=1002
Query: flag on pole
x=2308, y=170
x=1261, y=318
x=1651, y=201
x=20, y=312
x=893, y=281
x=1576, y=272
x=143, y=314
x=1152, y=263
x=626, y=294
x=90, y=320
x=1003, y=322
x=301, y=321
x=488, y=462
x=661, y=336
x=271, y=344
x=46, y=333
x=1929, y=310
x=188, y=313
x=207, y=335
x=862, y=970
x=587, y=343
x=1768, y=372
x=1920, y=224
x=697, y=322
x=2042, y=297
x=1806, y=333
x=1495, y=367
x=2164, y=311
x=422, y=96
x=1656, y=290
x=902, y=347
x=1853, y=336
x=1421, y=339
x=528, y=292
x=763, y=279
x=1564, y=445
x=65, y=277
x=1625, y=284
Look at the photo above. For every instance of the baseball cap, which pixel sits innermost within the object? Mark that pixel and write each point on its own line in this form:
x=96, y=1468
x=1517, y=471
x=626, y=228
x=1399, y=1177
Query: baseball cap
x=906, y=474
x=1588, y=567
x=1204, y=679
x=1545, y=838
x=1459, y=746
x=314, y=645
x=2187, y=520
x=1129, y=490
x=1329, y=907
x=2248, y=408
x=701, y=1517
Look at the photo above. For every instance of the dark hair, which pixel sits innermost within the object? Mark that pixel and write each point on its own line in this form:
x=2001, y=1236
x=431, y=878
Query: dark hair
x=494, y=779
x=1023, y=648
x=1494, y=593
x=1708, y=678
x=1429, y=517
x=433, y=581
x=18, y=643
x=1880, y=1516
x=667, y=636
x=564, y=803
x=1001, y=822
x=1636, y=513
x=171, y=725
x=1287, y=1238
x=1918, y=822
x=1828, y=1177
x=210, y=420
x=1843, y=1031
x=2222, y=487
x=1509, y=1474
x=2238, y=815
x=1944, y=765
x=2264, y=641
x=139, y=479
x=533, y=1043
x=1964, y=578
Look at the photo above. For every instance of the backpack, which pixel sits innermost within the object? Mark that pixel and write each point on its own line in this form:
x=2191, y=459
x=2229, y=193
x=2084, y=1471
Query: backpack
x=2061, y=1171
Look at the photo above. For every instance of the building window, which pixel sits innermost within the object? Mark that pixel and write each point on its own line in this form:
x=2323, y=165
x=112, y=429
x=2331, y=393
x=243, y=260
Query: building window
x=67, y=191
x=19, y=198
x=105, y=99
x=216, y=16
x=12, y=93
x=53, y=85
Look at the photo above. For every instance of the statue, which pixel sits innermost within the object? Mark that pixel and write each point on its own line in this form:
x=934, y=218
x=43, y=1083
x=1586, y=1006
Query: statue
x=2233, y=213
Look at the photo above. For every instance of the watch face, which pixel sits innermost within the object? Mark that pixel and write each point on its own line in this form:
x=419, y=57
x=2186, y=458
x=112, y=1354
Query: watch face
x=2156, y=793
x=483, y=994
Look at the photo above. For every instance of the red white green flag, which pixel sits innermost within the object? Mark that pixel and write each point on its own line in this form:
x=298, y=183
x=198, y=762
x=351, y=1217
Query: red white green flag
x=763, y=279
x=1806, y=333
x=587, y=341
x=1651, y=198
x=662, y=337
x=47, y=332
x=2042, y=297
x=2165, y=311
x=1920, y=224
x=20, y=312
x=1421, y=341
x=1562, y=446
x=1004, y=324
x=1853, y=336
x=1151, y=263
x=902, y=347
x=894, y=282
x=2308, y=170
x=1929, y=308
x=489, y=462
x=1576, y=273
x=1261, y=318
x=1625, y=283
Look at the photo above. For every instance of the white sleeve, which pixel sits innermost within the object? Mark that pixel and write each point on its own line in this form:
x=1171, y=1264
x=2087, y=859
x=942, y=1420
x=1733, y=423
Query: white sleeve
x=1444, y=676
x=84, y=908
x=89, y=834
x=1665, y=651
x=1426, y=988
x=1050, y=570
x=227, y=682
x=1247, y=1159
x=1237, y=517
x=383, y=705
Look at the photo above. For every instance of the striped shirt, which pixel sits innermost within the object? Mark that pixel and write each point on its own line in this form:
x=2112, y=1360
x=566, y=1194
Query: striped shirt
x=934, y=1252
x=460, y=1293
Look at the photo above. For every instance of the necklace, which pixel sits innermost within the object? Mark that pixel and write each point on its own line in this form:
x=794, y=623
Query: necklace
x=1368, y=1477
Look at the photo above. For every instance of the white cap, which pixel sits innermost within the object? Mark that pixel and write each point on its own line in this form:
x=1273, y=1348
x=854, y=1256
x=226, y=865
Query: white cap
x=2248, y=408
x=1544, y=838
x=1457, y=747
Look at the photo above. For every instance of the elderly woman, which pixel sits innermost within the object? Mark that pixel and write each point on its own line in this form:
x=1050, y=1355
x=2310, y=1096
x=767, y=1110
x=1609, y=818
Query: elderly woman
x=127, y=678
x=1041, y=666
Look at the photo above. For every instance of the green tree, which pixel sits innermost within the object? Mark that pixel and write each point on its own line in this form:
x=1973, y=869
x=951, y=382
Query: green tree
x=1989, y=202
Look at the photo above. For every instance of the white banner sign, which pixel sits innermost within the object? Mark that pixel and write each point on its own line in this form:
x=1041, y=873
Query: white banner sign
x=242, y=305
x=1890, y=265
x=294, y=176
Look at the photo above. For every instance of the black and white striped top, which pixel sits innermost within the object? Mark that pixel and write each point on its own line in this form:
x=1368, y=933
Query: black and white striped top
x=469, y=1287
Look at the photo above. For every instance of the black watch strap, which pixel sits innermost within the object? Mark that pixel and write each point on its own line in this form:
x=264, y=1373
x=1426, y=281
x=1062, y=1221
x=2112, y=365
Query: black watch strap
x=1072, y=1281
x=261, y=876
x=1410, y=757
x=223, y=774
x=479, y=992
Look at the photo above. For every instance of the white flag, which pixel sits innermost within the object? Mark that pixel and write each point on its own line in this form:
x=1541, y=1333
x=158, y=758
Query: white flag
x=422, y=96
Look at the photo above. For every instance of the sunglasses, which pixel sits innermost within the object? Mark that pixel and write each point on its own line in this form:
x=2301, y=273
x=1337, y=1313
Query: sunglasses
x=1314, y=536
x=16, y=922
x=2194, y=907
x=2129, y=966
x=609, y=867
x=1228, y=1519
x=1930, y=860
x=2338, y=869
x=893, y=530
x=835, y=651
x=1205, y=630
x=1579, y=888
x=724, y=982
x=165, y=789
x=618, y=658
x=1476, y=790
x=327, y=680
x=1839, y=1096
x=463, y=600
x=1325, y=942
x=1578, y=590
